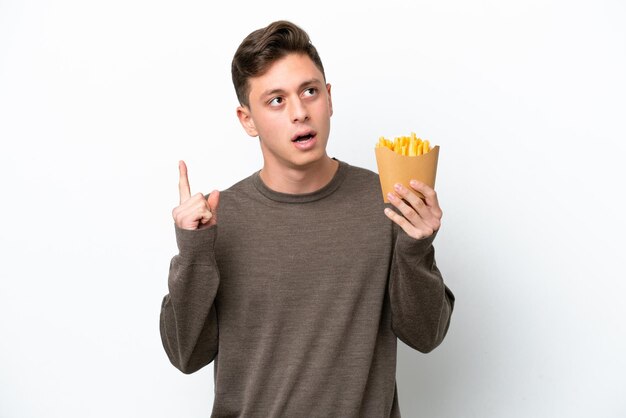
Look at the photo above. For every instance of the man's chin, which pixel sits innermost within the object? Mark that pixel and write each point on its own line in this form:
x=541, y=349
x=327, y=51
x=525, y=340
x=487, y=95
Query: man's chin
x=310, y=160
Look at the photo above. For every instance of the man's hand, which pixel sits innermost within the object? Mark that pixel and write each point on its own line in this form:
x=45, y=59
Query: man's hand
x=194, y=212
x=422, y=217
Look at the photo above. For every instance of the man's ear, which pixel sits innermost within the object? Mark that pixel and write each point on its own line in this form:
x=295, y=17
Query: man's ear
x=330, y=100
x=245, y=118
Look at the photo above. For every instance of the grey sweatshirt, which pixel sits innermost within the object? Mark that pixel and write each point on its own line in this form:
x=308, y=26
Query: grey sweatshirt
x=298, y=300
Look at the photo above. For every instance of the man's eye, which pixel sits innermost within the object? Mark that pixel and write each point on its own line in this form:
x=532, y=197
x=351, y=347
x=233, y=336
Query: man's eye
x=311, y=91
x=276, y=101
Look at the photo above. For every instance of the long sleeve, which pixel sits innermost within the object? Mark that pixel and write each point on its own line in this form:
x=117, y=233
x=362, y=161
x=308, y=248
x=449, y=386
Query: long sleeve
x=188, y=320
x=421, y=304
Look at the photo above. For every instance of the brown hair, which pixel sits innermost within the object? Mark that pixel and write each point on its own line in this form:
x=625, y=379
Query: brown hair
x=260, y=49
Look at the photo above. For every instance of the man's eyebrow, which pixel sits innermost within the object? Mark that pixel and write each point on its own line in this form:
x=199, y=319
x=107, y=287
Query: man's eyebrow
x=281, y=91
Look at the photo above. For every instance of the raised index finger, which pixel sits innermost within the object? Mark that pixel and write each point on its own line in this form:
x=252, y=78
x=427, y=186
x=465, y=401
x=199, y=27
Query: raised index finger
x=183, y=182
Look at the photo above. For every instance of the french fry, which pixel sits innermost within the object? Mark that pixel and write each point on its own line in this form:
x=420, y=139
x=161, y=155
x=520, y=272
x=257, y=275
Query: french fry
x=409, y=146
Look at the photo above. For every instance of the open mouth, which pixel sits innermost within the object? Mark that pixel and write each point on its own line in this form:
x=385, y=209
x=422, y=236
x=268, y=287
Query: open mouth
x=303, y=135
x=303, y=138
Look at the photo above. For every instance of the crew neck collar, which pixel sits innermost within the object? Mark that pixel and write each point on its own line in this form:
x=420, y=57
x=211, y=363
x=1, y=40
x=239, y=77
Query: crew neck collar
x=328, y=189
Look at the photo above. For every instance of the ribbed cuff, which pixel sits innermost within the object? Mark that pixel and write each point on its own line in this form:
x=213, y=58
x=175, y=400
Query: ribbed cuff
x=409, y=245
x=196, y=245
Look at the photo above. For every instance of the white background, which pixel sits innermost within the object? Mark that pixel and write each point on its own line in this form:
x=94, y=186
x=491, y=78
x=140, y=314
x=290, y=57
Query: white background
x=527, y=99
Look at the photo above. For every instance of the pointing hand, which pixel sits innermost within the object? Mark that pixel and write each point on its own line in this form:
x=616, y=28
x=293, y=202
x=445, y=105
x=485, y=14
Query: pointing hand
x=194, y=212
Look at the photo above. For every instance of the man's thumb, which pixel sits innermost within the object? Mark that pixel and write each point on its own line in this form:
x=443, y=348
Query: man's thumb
x=213, y=201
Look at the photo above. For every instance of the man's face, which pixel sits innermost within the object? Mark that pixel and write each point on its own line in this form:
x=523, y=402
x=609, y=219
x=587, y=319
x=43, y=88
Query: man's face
x=290, y=109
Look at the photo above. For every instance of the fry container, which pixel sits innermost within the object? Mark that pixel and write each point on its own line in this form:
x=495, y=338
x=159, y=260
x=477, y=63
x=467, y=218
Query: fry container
x=395, y=168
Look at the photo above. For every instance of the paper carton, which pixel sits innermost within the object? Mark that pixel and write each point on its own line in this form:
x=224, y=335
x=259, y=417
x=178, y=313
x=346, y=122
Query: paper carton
x=395, y=168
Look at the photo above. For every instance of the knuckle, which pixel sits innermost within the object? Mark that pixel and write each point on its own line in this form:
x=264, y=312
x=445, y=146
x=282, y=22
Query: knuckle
x=416, y=206
x=405, y=209
x=409, y=213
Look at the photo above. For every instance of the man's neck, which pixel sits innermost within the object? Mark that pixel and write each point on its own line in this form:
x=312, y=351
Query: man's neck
x=299, y=180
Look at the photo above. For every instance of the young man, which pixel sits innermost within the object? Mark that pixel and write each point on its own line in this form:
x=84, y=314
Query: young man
x=297, y=285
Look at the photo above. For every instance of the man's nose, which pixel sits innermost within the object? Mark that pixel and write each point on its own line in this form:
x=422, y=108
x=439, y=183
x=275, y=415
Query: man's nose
x=299, y=111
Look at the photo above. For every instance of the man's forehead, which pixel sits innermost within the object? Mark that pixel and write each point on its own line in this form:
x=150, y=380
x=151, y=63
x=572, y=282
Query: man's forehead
x=292, y=71
x=285, y=86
